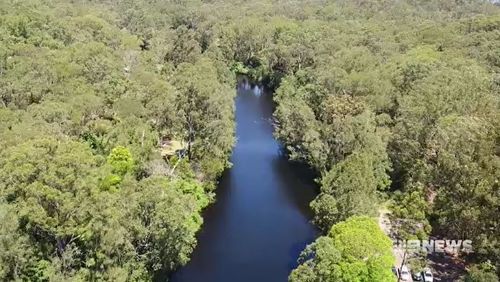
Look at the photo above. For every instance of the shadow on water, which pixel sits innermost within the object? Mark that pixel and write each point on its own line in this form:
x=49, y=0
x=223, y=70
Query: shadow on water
x=260, y=222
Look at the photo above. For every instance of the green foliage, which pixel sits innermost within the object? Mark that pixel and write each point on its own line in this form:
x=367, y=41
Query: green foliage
x=56, y=221
x=354, y=250
x=484, y=272
x=120, y=160
x=352, y=185
x=205, y=116
x=364, y=90
x=83, y=106
x=111, y=182
x=410, y=212
x=339, y=137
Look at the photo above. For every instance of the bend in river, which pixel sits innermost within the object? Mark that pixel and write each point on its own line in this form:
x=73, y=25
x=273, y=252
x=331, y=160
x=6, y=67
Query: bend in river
x=260, y=222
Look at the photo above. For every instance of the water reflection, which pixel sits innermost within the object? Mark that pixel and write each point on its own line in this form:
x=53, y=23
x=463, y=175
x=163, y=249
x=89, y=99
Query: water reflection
x=260, y=222
x=257, y=90
x=245, y=85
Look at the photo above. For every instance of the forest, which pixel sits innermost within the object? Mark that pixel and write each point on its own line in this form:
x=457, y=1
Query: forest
x=393, y=103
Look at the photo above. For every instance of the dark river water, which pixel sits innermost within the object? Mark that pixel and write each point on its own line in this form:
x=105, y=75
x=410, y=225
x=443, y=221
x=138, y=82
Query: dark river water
x=260, y=222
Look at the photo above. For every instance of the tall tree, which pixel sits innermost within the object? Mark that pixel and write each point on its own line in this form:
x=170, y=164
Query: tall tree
x=354, y=250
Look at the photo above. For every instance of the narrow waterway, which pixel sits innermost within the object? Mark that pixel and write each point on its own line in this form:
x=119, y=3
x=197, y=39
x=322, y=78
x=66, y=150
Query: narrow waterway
x=260, y=222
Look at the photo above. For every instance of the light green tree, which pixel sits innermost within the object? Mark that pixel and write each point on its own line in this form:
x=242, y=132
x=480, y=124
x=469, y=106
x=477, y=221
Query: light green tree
x=354, y=250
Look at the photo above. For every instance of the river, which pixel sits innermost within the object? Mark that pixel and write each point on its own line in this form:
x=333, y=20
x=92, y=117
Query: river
x=260, y=222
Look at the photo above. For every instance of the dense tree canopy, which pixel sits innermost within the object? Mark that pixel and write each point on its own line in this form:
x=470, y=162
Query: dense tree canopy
x=354, y=250
x=85, y=193
x=385, y=100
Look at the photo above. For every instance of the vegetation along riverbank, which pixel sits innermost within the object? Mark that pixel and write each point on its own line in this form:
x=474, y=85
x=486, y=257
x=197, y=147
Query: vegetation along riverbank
x=117, y=120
